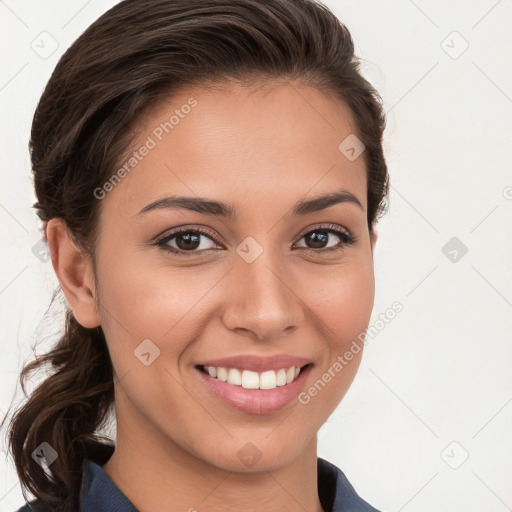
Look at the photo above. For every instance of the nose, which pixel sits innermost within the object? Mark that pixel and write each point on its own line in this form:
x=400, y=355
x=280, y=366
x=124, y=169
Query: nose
x=263, y=298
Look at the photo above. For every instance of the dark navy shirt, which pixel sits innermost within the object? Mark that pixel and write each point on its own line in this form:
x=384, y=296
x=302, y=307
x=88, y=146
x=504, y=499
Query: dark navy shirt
x=100, y=494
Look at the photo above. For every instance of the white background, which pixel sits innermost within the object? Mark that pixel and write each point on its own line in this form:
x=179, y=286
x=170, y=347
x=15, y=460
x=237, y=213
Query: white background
x=434, y=386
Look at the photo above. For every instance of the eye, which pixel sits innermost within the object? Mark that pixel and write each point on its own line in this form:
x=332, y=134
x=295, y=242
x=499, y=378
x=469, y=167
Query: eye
x=186, y=241
x=319, y=236
x=183, y=241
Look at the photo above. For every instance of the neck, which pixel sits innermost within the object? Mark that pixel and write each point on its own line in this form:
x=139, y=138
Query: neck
x=155, y=473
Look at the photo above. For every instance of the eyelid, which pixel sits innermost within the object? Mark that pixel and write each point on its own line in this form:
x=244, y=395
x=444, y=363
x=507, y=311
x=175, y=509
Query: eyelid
x=325, y=226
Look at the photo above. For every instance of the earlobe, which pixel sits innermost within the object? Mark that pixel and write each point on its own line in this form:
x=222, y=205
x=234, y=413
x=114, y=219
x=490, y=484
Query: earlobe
x=74, y=271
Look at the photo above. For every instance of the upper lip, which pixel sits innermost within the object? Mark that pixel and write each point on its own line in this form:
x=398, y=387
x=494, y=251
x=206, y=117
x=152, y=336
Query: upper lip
x=258, y=363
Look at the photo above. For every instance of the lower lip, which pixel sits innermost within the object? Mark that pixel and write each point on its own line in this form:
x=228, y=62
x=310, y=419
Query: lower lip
x=256, y=401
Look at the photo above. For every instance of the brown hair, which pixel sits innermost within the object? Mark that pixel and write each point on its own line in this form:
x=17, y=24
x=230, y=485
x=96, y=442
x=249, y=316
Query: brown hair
x=136, y=53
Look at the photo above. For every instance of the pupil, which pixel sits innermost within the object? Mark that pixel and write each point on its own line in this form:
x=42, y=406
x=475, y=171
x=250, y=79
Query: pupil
x=191, y=241
x=319, y=238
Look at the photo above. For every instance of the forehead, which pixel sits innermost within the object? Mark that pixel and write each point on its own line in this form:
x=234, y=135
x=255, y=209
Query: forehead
x=262, y=144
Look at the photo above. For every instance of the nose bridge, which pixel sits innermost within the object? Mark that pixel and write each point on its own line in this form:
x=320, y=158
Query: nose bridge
x=262, y=273
x=265, y=302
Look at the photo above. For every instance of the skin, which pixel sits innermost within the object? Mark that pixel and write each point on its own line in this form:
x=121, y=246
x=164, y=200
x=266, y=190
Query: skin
x=262, y=149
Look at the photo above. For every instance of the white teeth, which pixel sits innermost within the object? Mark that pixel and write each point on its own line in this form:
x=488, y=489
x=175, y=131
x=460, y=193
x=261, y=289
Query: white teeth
x=234, y=377
x=222, y=373
x=281, y=377
x=268, y=379
x=248, y=379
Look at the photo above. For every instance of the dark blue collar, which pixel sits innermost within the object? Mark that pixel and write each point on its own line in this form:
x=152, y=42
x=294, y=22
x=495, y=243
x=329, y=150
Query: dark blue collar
x=99, y=493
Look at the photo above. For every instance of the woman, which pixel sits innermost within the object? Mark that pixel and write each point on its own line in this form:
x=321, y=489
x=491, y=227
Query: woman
x=209, y=175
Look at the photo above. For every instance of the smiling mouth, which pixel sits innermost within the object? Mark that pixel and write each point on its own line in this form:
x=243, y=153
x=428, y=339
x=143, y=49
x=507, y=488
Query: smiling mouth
x=248, y=379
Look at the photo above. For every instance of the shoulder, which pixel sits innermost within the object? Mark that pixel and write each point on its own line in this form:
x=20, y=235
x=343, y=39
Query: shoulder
x=340, y=495
x=95, y=450
x=31, y=506
x=34, y=506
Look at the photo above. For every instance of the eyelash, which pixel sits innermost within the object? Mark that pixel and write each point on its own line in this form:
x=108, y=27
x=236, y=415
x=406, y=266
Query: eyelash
x=347, y=239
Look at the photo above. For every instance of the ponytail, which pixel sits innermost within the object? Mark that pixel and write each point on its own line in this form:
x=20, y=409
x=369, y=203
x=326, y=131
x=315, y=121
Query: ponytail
x=64, y=411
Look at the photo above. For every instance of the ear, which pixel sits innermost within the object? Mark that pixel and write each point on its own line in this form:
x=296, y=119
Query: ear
x=373, y=238
x=74, y=271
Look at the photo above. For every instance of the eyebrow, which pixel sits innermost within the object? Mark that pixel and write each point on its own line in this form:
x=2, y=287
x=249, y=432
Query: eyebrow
x=228, y=210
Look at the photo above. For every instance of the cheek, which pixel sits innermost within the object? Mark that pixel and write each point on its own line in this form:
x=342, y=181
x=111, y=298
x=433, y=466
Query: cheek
x=343, y=301
x=141, y=303
x=341, y=309
x=148, y=301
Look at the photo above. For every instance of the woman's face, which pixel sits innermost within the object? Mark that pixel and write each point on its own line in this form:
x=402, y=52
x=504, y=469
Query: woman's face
x=264, y=281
